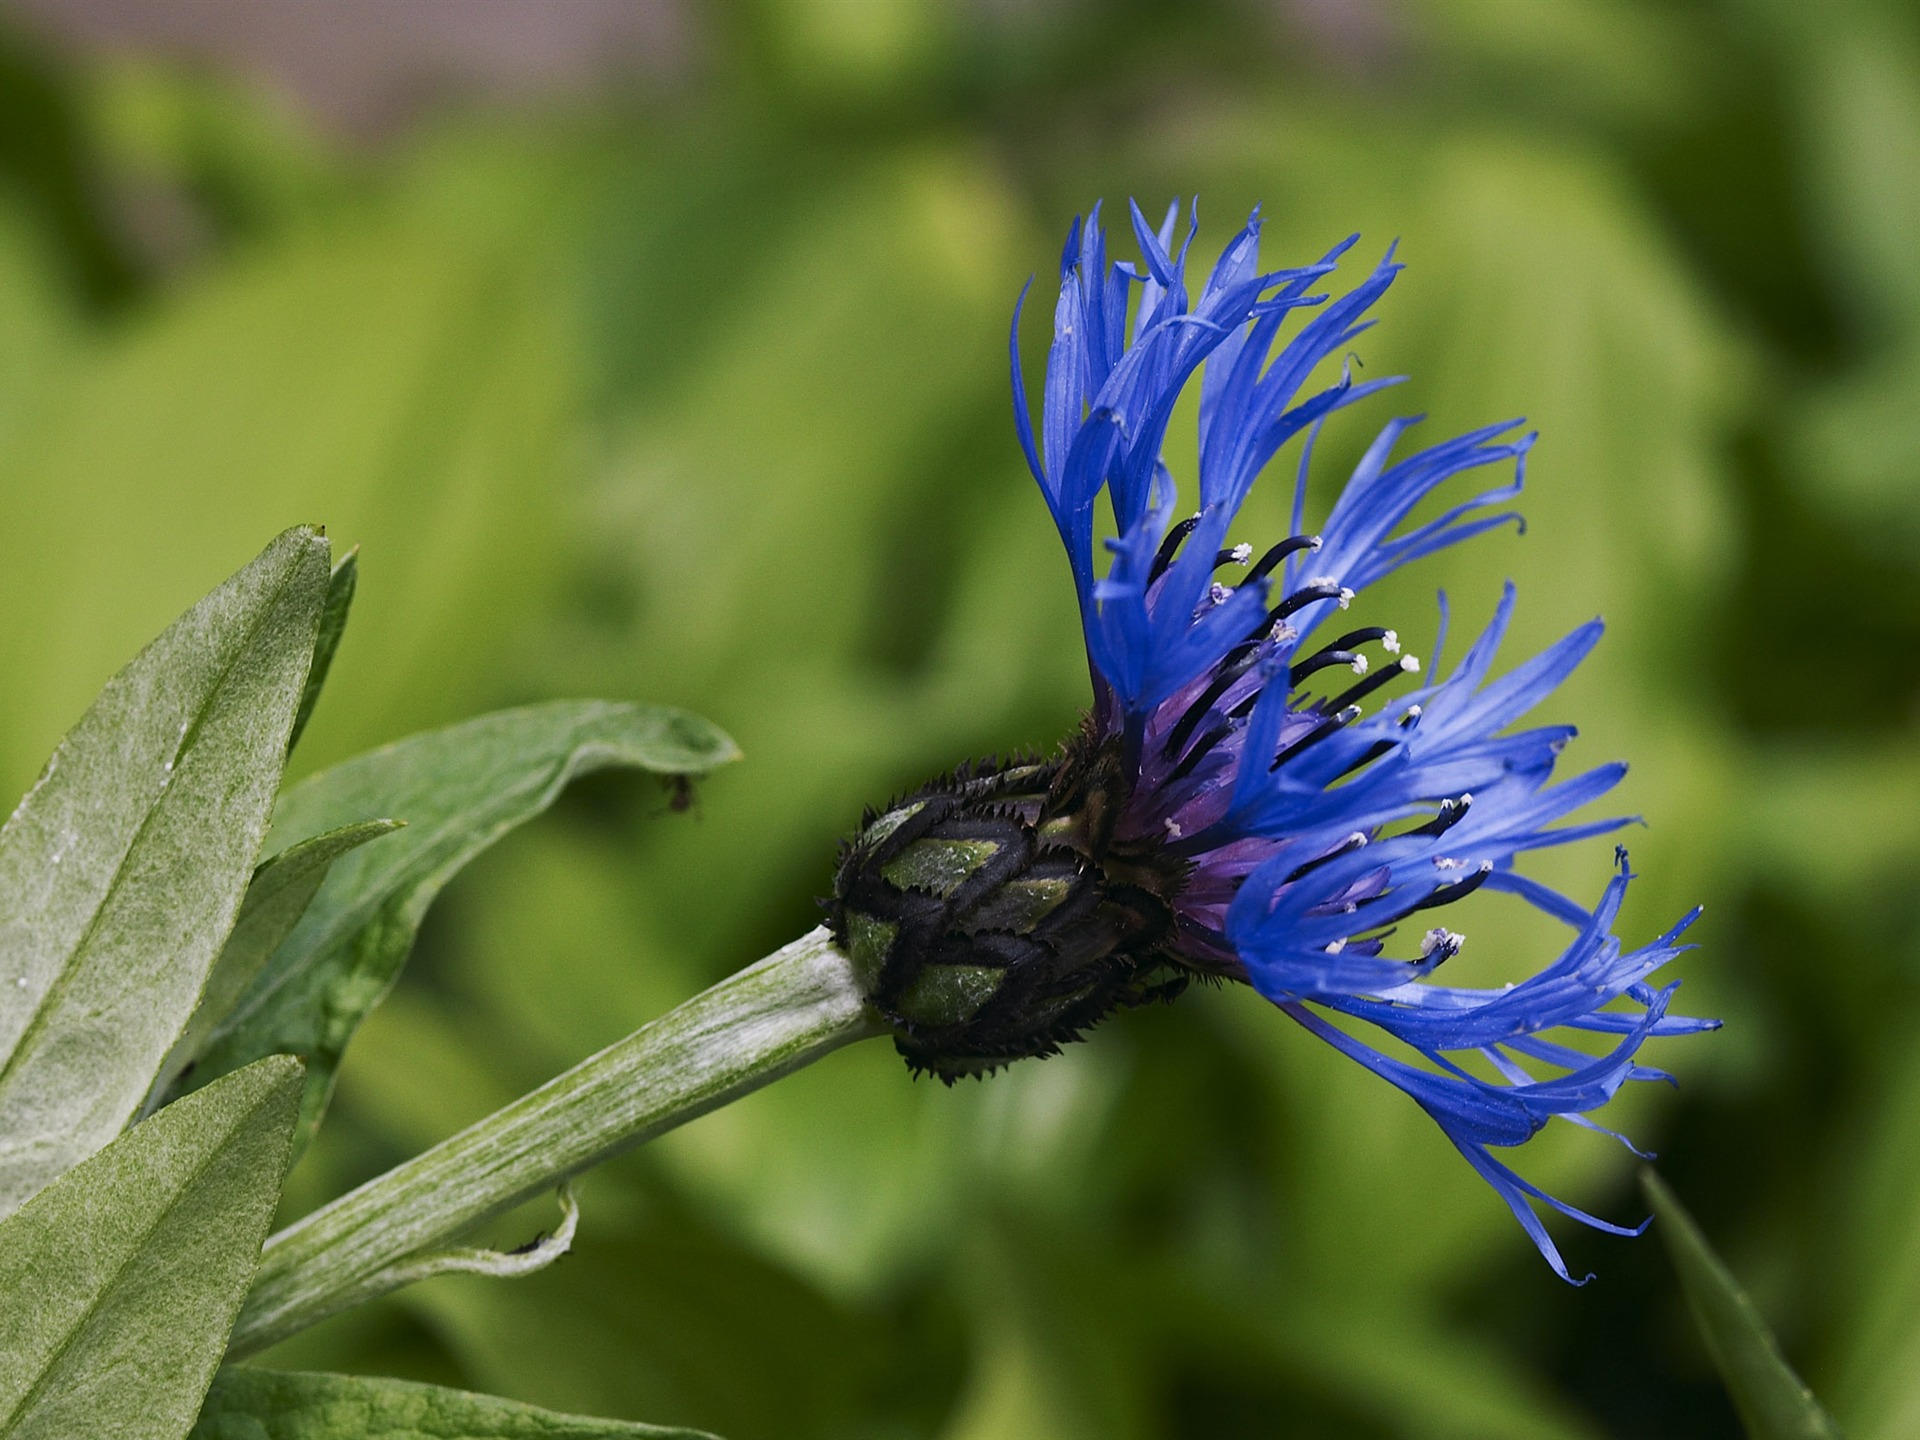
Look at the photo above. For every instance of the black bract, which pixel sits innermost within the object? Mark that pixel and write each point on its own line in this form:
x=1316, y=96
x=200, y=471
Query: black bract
x=991, y=916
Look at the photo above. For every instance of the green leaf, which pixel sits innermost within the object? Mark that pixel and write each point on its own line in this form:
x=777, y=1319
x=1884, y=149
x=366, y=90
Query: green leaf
x=248, y=1404
x=458, y=790
x=282, y=889
x=122, y=870
x=1774, y=1402
x=123, y=1276
x=333, y=624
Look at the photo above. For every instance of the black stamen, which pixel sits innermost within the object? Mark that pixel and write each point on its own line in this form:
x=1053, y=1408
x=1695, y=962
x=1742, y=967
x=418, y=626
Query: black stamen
x=1386, y=675
x=1459, y=890
x=1237, y=663
x=1366, y=757
x=1227, y=557
x=1201, y=746
x=1322, y=728
x=1291, y=545
x=1169, y=547
x=1441, y=895
x=1240, y=658
x=1300, y=598
x=1452, y=812
x=1319, y=660
x=1346, y=847
x=1359, y=637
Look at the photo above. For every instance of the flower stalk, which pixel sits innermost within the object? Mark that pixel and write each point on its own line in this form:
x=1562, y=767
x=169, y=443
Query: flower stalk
x=769, y=1020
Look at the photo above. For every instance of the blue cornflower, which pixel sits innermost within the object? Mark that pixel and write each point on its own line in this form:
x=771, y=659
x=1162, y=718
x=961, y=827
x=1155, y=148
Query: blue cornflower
x=1217, y=816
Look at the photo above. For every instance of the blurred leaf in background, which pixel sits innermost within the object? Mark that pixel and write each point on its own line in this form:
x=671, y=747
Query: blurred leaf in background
x=662, y=357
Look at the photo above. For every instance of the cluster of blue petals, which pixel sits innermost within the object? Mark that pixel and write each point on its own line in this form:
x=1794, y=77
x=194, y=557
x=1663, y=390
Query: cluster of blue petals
x=1316, y=825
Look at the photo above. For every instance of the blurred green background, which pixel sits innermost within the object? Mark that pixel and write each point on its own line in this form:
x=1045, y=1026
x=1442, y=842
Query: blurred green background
x=657, y=351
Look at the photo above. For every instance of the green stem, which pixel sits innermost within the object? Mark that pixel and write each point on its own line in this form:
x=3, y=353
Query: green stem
x=767, y=1021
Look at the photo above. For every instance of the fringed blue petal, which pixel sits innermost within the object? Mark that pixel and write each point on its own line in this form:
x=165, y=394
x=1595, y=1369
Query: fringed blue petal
x=1103, y=376
x=1318, y=828
x=1500, y=1027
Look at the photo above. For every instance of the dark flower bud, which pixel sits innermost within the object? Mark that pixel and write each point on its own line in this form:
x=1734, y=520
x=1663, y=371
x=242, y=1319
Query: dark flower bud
x=990, y=917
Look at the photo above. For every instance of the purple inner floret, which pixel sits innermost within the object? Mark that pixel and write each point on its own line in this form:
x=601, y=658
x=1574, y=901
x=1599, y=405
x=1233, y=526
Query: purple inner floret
x=1316, y=828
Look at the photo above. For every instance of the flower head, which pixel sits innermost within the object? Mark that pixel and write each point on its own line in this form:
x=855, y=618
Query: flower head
x=1254, y=797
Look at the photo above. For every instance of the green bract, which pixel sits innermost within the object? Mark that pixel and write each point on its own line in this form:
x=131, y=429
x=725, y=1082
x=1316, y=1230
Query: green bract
x=990, y=915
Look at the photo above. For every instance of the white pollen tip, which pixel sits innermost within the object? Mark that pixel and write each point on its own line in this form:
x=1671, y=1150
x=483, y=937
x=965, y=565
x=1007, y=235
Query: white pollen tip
x=1359, y=664
x=1390, y=642
x=1336, y=947
x=1313, y=542
x=1448, y=942
x=1283, y=632
x=1174, y=832
x=1218, y=593
x=1241, y=553
x=1410, y=664
x=1346, y=597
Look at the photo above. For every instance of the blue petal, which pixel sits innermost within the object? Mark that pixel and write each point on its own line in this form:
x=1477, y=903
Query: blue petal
x=1359, y=820
x=1436, y=1021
